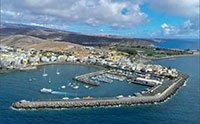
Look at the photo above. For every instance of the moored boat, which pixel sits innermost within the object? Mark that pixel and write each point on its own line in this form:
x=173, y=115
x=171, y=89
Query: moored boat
x=44, y=73
x=63, y=87
x=45, y=90
x=57, y=72
x=65, y=98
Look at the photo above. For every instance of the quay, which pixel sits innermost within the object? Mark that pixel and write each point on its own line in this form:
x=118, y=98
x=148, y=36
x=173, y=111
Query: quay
x=159, y=94
x=85, y=78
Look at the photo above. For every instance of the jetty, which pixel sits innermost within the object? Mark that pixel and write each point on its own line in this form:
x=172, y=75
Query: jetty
x=158, y=94
x=85, y=78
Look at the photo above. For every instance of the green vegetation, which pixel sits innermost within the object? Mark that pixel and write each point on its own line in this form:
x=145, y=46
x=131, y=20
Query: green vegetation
x=151, y=51
x=128, y=50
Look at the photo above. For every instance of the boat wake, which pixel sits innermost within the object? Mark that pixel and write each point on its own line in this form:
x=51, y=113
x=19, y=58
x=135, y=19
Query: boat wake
x=62, y=93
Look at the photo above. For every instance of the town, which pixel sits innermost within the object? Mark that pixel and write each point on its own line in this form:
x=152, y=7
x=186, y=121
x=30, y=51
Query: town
x=18, y=58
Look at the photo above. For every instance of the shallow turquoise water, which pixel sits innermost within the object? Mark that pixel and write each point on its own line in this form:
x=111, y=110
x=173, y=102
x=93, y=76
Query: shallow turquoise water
x=182, y=108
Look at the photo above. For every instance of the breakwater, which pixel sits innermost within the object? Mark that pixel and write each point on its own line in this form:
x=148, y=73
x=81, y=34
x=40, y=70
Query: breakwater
x=112, y=101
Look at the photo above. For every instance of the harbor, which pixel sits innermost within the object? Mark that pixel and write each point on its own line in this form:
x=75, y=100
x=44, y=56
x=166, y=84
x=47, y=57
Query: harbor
x=159, y=94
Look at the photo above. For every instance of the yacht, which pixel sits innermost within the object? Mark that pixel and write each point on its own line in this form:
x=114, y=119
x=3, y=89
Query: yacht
x=45, y=90
x=44, y=73
x=86, y=86
x=65, y=98
x=120, y=96
x=76, y=87
x=63, y=87
x=57, y=72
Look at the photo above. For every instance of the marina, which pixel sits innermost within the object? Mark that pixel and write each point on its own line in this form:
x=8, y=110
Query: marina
x=158, y=95
x=85, y=78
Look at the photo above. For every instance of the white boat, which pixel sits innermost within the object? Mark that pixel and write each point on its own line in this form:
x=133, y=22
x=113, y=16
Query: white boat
x=63, y=87
x=49, y=80
x=57, y=72
x=45, y=90
x=22, y=101
x=120, y=96
x=86, y=86
x=65, y=98
x=44, y=74
x=76, y=98
x=76, y=87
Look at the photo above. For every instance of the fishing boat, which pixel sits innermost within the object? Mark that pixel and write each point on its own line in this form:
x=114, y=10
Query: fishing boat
x=45, y=90
x=44, y=73
x=87, y=98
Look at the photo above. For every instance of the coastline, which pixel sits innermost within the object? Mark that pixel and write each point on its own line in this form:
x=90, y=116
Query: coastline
x=170, y=57
x=29, y=68
x=46, y=64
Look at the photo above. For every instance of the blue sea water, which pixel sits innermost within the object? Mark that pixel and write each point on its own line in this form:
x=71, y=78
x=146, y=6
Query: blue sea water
x=192, y=44
x=183, y=108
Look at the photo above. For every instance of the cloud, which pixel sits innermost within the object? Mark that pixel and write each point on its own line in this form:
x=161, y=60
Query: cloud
x=188, y=9
x=189, y=28
x=167, y=29
x=183, y=8
x=93, y=12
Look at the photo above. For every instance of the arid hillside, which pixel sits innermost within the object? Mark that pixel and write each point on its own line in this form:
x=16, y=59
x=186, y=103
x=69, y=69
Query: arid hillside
x=32, y=33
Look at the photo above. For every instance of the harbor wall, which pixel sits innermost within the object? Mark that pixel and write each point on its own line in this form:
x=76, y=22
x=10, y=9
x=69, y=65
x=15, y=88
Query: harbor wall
x=112, y=101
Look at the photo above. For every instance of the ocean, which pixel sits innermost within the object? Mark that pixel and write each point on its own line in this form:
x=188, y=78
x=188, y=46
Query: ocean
x=192, y=44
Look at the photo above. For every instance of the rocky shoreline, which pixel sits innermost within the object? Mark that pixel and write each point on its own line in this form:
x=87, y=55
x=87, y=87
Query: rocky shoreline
x=97, y=102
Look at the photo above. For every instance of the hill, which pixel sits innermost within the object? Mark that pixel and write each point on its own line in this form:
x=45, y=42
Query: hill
x=42, y=33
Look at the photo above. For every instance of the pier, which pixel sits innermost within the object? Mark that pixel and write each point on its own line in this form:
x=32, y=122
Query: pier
x=159, y=94
x=85, y=78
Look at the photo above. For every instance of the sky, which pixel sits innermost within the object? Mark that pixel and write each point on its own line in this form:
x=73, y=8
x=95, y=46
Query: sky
x=130, y=18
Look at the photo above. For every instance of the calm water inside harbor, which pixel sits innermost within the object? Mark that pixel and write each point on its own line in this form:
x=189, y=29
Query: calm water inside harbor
x=183, y=108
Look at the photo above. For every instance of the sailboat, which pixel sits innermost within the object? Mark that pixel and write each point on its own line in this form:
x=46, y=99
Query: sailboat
x=49, y=80
x=57, y=72
x=44, y=74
